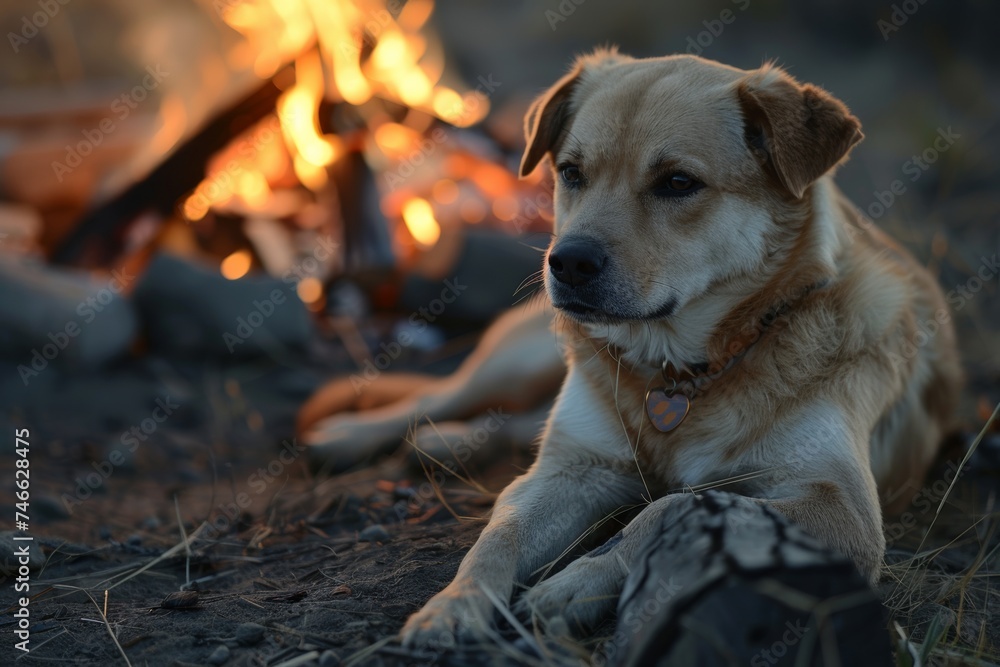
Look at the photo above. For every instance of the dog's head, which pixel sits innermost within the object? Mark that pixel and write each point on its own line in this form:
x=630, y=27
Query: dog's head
x=672, y=176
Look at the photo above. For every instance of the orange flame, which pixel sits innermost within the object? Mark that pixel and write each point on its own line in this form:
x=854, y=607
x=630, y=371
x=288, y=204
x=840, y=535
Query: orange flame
x=297, y=110
x=236, y=265
x=420, y=222
x=403, y=66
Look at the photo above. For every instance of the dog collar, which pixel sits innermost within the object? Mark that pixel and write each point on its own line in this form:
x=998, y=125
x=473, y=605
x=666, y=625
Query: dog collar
x=667, y=406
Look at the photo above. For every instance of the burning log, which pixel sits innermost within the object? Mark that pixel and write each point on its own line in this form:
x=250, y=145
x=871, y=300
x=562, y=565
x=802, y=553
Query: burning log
x=730, y=581
x=163, y=187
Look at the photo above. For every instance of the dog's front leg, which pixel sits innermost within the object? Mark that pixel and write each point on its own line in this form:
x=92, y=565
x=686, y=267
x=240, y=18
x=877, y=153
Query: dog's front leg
x=533, y=522
x=587, y=589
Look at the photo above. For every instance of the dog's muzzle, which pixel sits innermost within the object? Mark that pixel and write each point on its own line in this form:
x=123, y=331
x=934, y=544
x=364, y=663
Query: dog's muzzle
x=576, y=262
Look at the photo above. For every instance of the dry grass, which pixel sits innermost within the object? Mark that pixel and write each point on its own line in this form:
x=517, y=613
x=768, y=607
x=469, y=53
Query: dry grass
x=914, y=588
x=939, y=587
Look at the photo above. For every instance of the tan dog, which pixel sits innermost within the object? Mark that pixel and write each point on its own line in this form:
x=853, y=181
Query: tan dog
x=697, y=228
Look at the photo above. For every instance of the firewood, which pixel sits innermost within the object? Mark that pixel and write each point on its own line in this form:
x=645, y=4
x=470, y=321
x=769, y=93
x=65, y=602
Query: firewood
x=98, y=234
x=729, y=580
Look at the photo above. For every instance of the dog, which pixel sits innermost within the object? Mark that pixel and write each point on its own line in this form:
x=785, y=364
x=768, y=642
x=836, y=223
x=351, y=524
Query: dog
x=516, y=366
x=726, y=316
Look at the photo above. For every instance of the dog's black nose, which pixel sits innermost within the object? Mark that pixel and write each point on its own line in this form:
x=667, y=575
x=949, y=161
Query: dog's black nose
x=576, y=262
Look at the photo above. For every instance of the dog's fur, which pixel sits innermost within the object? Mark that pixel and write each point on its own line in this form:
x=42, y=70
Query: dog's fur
x=847, y=392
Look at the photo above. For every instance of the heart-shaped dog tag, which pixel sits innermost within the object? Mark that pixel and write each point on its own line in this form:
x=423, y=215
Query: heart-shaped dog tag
x=666, y=411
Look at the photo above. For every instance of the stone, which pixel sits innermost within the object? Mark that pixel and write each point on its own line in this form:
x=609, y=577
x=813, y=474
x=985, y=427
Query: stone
x=249, y=634
x=219, y=656
x=189, y=309
x=374, y=533
x=67, y=319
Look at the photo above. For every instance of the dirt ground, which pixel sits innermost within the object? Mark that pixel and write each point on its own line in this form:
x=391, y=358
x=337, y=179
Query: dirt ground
x=285, y=567
x=293, y=579
x=321, y=567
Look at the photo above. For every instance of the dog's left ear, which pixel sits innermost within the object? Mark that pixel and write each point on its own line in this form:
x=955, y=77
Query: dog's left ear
x=798, y=131
x=545, y=120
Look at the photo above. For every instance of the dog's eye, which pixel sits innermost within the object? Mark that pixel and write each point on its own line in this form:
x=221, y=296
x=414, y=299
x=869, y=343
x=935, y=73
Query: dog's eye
x=571, y=175
x=680, y=182
x=677, y=185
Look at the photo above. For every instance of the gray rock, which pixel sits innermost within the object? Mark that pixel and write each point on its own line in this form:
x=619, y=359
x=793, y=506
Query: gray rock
x=48, y=508
x=374, y=533
x=249, y=634
x=192, y=309
x=482, y=283
x=220, y=655
x=329, y=659
x=63, y=318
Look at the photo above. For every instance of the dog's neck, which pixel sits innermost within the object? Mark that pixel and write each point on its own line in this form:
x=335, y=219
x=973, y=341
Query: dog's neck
x=681, y=340
x=712, y=329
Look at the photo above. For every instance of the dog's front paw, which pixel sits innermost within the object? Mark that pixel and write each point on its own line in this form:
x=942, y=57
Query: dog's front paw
x=460, y=614
x=584, y=592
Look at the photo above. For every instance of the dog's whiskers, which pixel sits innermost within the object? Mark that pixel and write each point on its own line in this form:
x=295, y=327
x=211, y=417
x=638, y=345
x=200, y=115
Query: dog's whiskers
x=633, y=448
x=594, y=527
x=533, y=279
x=598, y=351
x=728, y=480
x=526, y=298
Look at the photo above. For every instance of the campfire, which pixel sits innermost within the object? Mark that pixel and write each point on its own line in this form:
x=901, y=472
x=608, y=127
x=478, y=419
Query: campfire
x=361, y=132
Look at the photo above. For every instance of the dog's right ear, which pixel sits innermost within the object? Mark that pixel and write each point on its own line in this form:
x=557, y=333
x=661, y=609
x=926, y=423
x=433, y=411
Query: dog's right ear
x=546, y=118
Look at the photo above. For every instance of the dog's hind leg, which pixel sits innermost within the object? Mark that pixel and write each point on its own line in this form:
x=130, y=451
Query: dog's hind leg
x=516, y=366
x=345, y=395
